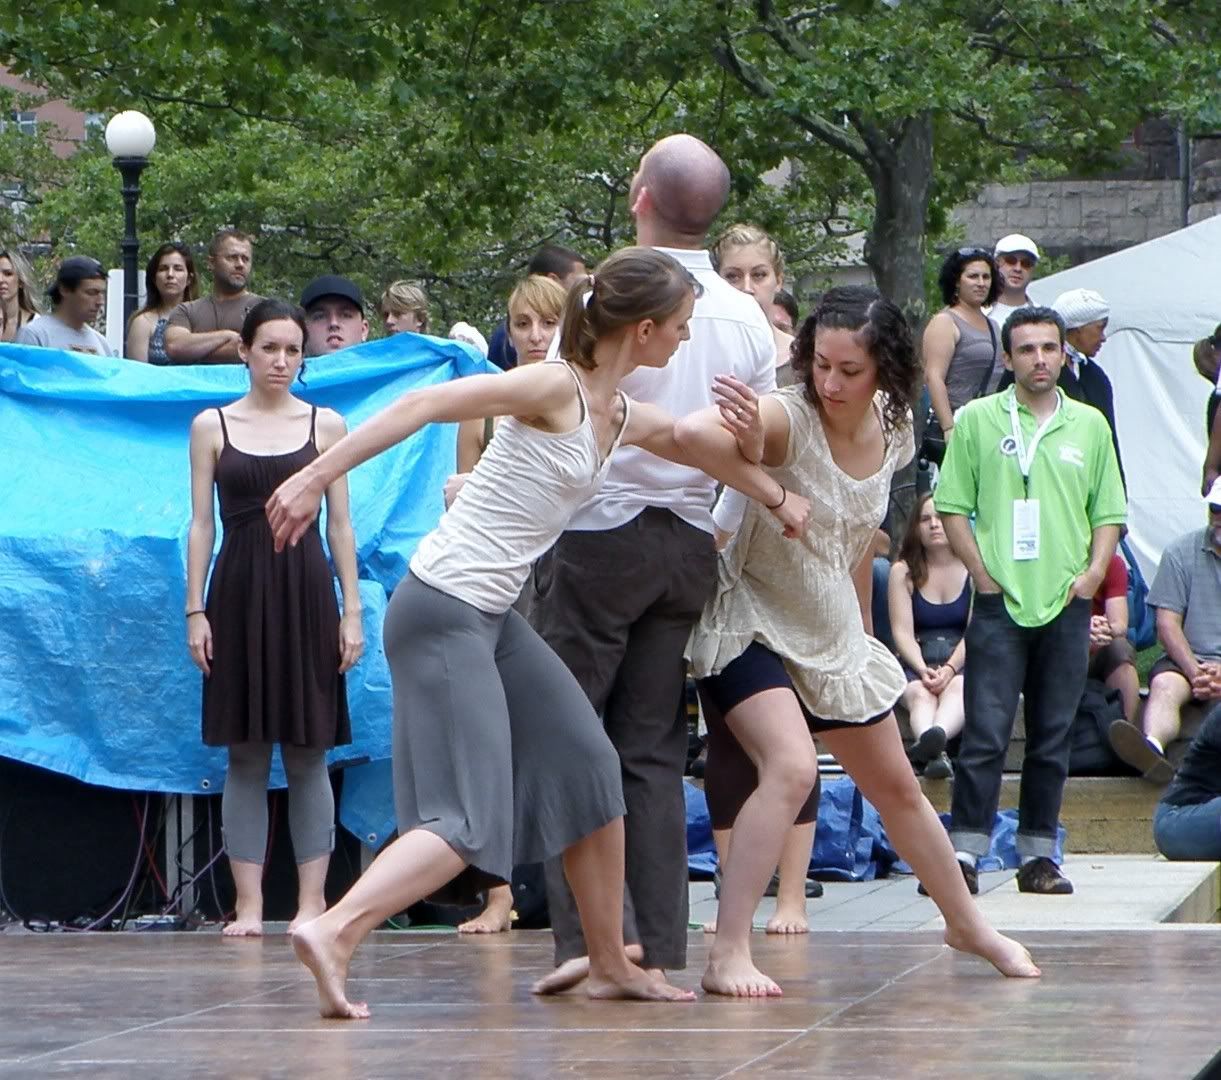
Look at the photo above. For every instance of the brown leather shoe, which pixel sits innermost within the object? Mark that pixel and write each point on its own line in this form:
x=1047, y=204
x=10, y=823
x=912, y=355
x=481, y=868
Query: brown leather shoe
x=1041, y=875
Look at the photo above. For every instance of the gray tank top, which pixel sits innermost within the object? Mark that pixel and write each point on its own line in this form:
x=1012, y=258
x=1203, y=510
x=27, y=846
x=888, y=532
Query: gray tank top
x=977, y=351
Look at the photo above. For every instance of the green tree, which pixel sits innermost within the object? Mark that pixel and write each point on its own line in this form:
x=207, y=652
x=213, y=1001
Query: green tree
x=458, y=135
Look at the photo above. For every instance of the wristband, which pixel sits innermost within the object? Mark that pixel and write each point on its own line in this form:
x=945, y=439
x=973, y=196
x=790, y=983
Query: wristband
x=783, y=495
x=197, y=611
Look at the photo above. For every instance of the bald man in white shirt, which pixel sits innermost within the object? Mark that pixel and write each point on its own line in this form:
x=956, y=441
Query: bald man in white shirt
x=617, y=595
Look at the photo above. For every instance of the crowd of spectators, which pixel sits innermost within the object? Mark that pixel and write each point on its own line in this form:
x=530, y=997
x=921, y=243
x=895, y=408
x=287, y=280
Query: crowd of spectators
x=961, y=580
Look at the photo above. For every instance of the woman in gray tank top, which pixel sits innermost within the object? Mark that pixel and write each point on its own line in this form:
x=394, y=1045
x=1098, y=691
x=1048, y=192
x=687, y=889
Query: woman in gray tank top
x=961, y=351
x=498, y=755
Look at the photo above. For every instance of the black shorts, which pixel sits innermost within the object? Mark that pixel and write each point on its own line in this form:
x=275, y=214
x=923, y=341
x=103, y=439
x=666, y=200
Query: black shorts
x=759, y=669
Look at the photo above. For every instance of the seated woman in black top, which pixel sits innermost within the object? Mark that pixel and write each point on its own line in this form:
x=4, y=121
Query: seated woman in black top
x=1187, y=821
x=930, y=602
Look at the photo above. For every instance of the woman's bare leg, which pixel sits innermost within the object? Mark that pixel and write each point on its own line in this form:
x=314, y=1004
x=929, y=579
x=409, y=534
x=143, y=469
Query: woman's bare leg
x=772, y=730
x=496, y=916
x=248, y=914
x=873, y=756
x=921, y=708
x=790, y=916
x=407, y=870
x=311, y=890
x=951, y=712
x=721, y=839
x=594, y=868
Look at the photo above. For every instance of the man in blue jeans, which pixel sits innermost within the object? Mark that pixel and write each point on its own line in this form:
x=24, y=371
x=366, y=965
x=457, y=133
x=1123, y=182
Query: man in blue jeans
x=1187, y=821
x=1038, y=471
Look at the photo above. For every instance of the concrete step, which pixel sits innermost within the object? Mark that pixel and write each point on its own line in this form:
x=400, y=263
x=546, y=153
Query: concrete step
x=1103, y=815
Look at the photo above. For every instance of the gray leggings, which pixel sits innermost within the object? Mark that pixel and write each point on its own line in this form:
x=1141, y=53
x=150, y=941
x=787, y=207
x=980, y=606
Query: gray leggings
x=311, y=803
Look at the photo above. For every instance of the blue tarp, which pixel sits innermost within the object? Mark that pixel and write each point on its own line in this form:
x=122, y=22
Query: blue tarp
x=95, y=678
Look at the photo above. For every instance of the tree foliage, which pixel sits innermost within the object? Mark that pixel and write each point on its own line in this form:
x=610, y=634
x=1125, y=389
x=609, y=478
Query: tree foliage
x=445, y=140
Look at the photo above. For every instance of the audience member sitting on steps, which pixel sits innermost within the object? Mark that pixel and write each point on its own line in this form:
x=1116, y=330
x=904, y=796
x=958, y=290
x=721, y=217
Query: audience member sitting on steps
x=1112, y=658
x=930, y=600
x=1187, y=821
x=1186, y=592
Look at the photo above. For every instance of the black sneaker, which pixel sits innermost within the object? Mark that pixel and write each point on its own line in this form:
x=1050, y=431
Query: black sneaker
x=1133, y=747
x=969, y=874
x=1041, y=875
x=927, y=747
x=813, y=888
x=939, y=768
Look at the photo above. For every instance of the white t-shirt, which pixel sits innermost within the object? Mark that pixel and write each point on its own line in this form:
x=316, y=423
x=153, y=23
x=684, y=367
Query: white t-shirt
x=999, y=312
x=729, y=335
x=48, y=332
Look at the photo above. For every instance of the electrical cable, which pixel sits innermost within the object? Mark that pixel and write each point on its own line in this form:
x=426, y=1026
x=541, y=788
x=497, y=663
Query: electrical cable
x=130, y=883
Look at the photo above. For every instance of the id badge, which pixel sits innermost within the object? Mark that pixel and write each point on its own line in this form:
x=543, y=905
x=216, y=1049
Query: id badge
x=1025, y=529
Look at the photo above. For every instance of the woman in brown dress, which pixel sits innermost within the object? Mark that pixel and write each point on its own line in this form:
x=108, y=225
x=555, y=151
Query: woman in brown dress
x=270, y=640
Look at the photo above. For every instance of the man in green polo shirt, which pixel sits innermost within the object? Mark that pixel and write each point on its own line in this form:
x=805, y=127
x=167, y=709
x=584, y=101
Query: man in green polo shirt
x=1038, y=471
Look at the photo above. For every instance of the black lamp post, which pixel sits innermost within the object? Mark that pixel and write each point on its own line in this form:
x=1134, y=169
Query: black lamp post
x=130, y=138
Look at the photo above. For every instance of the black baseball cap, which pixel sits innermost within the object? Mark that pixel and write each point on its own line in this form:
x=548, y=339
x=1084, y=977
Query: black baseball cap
x=77, y=268
x=332, y=285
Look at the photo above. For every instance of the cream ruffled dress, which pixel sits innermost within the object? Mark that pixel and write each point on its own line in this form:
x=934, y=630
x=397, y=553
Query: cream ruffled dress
x=797, y=598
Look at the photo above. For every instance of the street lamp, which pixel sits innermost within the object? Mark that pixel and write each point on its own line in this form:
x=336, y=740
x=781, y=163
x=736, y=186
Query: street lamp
x=130, y=138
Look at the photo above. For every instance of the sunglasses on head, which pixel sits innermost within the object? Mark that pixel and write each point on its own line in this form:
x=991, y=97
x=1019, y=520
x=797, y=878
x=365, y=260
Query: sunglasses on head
x=977, y=252
x=1213, y=508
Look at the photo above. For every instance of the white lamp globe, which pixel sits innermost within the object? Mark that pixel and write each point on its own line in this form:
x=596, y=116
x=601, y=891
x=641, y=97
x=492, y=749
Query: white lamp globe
x=130, y=134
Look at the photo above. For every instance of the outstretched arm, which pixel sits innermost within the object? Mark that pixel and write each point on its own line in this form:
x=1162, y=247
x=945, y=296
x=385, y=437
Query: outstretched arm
x=701, y=442
x=538, y=390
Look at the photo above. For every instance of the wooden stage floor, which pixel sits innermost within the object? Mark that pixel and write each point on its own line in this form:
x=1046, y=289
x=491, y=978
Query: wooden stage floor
x=159, y=1005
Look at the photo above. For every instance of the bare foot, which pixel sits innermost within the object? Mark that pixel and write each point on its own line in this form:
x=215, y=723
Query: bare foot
x=635, y=984
x=738, y=977
x=710, y=926
x=573, y=971
x=1009, y=957
x=787, y=921
x=328, y=963
x=245, y=924
x=306, y=913
x=488, y=921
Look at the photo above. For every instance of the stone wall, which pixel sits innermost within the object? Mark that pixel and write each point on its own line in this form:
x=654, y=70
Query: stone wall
x=1205, y=178
x=1082, y=219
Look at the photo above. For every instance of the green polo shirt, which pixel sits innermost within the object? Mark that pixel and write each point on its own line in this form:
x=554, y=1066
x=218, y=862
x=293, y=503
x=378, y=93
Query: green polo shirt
x=1074, y=476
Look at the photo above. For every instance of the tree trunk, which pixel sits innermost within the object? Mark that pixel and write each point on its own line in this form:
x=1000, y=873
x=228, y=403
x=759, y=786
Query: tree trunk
x=894, y=248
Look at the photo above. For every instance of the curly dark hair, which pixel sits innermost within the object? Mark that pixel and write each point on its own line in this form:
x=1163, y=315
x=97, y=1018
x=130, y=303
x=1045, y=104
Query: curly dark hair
x=956, y=262
x=881, y=330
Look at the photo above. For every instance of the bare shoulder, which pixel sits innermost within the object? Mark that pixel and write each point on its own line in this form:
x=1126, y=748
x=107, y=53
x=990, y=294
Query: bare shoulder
x=899, y=573
x=206, y=431
x=206, y=422
x=331, y=425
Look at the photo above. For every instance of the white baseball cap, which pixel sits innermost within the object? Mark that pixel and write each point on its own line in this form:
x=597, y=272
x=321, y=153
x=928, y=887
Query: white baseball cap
x=1016, y=242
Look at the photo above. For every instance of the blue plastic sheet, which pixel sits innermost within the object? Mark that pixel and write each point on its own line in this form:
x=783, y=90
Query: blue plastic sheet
x=849, y=843
x=95, y=679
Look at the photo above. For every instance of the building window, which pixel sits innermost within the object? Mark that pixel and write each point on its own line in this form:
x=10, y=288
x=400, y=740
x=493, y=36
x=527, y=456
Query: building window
x=25, y=122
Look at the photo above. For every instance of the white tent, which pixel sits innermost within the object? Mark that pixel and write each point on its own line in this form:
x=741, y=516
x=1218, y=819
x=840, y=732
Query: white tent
x=1165, y=295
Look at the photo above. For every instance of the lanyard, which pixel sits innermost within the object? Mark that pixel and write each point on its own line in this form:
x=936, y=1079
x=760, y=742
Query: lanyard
x=1025, y=456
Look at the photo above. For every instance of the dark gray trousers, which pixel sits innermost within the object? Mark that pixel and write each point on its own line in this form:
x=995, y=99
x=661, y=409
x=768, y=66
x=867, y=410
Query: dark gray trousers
x=617, y=606
x=1046, y=663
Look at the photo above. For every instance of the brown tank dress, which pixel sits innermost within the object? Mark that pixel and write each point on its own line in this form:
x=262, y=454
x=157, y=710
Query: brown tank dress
x=274, y=618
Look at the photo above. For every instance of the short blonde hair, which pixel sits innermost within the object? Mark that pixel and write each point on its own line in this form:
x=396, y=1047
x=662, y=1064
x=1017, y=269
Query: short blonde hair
x=539, y=293
x=743, y=235
x=403, y=298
